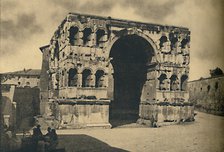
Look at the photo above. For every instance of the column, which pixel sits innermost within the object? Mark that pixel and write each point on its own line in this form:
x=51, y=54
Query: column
x=92, y=80
x=79, y=83
x=65, y=79
x=105, y=80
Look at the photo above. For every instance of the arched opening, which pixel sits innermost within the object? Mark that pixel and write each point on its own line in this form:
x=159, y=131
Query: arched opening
x=130, y=56
x=86, y=35
x=86, y=78
x=184, y=43
x=72, y=78
x=99, y=34
x=73, y=35
x=99, y=78
x=162, y=83
x=183, y=84
x=174, y=83
x=172, y=39
x=162, y=40
x=27, y=85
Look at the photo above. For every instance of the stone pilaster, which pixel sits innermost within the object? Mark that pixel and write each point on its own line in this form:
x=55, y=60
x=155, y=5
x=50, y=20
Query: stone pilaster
x=79, y=83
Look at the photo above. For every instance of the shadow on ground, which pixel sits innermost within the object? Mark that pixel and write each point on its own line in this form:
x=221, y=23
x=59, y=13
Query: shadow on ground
x=84, y=143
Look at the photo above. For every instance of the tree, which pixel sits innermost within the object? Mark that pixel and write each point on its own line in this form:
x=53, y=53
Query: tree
x=216, y=72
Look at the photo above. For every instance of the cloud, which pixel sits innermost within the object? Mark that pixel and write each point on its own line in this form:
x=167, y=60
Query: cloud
x=18, y=30
x=101, y=6
x=24, y=26
x=85, y=5
x=205, y=21
x=157, y=10
x=7, y=5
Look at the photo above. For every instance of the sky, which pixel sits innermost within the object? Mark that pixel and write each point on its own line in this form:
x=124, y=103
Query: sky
x=27, y=25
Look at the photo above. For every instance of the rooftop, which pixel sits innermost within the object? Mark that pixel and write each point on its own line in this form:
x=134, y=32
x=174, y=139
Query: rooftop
x=25, y=72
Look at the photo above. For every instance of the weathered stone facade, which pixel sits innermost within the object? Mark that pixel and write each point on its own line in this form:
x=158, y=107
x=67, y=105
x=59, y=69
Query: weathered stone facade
x=100, y=67
x=208, y=94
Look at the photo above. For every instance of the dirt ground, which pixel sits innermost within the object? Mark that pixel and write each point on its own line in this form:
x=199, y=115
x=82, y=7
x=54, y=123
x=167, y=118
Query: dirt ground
x=206, y=134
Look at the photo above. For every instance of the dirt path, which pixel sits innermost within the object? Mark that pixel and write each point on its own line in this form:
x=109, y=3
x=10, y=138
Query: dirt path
x=206, y=134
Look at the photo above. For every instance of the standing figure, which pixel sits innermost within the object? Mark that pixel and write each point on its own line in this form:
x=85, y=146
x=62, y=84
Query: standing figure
x=53, y=140
x=47, y=138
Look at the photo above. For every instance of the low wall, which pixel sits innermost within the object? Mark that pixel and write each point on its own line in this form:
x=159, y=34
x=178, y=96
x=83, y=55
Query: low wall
x=161, y=114
x=84, y=113
x=27, y=106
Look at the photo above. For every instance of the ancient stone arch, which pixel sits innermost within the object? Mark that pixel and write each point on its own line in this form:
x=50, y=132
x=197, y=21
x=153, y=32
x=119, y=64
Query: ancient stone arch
x=114, y=38
x=126, y=68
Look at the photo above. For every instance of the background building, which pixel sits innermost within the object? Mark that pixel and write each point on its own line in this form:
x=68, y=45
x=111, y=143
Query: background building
x=26, y=77
x=208, y=93
x=20, y=98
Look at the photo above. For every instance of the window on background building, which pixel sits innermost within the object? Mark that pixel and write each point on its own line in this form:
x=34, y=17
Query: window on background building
x=216, y=86
x=27, y=84
x=208, y=88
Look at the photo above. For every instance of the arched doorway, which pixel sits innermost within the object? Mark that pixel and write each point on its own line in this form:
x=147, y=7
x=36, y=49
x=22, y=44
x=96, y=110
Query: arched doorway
x=131, y=55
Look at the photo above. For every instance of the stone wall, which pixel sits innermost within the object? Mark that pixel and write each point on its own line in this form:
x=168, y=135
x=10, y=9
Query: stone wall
x=165, y=114
x=84, y=113
x=208, y=94
x=20, y=105
x=8, y=105
x=27, y=106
